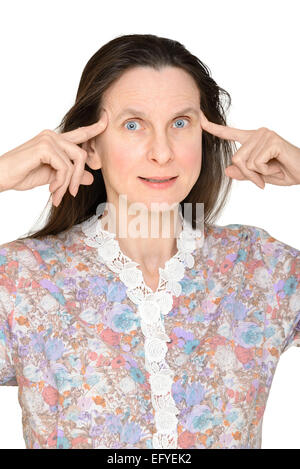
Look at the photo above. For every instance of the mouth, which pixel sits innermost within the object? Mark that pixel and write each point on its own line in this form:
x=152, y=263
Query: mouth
x=158, y=180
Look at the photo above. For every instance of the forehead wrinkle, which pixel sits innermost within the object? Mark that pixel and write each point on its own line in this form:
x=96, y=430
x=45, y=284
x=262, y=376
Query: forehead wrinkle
x=136, y=112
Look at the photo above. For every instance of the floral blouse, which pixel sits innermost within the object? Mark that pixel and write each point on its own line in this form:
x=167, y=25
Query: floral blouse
x=103, y=361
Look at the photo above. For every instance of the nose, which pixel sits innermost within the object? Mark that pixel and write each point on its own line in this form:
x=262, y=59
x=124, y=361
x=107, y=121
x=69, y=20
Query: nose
x=160, y=148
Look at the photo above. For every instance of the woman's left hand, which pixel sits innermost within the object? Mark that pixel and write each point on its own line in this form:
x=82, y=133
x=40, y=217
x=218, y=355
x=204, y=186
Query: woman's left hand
x=264, y=156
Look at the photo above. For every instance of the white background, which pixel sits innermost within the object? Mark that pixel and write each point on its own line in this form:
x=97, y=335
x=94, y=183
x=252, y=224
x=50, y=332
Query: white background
x=252, y=50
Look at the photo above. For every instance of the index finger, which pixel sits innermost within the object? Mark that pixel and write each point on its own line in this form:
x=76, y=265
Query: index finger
x=224, y=131
x=82, y=134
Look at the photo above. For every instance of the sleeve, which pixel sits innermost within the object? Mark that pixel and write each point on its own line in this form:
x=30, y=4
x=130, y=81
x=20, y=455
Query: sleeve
x=282, y=262
x=8, y=267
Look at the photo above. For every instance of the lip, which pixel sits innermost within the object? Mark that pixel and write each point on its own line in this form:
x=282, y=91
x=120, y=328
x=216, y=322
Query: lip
x=159, y=185
x=158, y=177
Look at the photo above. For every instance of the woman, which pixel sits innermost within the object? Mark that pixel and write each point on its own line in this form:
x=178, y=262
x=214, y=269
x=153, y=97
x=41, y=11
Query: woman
x=125, y=341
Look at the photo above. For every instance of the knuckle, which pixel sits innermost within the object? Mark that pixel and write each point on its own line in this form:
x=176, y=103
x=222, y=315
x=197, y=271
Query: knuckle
x=250, y=166
x=236, y=158
x=45, y=139
x=264, y=130
x=273, y=136
x=47, y=132
x=67, y=162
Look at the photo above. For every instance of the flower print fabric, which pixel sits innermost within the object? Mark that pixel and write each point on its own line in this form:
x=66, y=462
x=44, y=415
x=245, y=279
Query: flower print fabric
x=71, y=339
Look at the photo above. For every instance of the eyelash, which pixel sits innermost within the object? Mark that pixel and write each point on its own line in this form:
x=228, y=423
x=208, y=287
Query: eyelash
x=137, y=119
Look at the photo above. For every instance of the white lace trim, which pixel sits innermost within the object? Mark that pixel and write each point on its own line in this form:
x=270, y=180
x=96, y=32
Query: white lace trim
x=151, y=307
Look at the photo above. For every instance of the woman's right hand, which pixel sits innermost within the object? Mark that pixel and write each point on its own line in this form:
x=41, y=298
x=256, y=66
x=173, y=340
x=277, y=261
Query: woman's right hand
x=48, y=159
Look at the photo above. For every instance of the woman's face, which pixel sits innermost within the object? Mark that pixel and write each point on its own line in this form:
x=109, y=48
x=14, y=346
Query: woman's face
x=156, y=140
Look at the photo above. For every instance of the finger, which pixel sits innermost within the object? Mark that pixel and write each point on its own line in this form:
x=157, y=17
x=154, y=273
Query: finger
x=276, y=179
x=61, y=183
x=223, y=131
x=86, y=180
x=262, y=158
x=54, y=157
x=240, y=159
x=83, y=134
x=267, y=169
x=234, y=173
x=79, y=156
x=279, y=180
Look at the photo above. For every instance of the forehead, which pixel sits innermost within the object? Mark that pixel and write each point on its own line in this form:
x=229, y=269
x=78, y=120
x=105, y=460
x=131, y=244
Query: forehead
x=141, y=87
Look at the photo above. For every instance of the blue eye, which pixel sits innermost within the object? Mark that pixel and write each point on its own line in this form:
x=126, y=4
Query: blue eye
x=134, y=121
x=129, y=122
x=181, y=120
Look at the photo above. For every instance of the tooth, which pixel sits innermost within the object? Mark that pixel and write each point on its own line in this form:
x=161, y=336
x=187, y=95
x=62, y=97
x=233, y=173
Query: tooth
x=158, y=180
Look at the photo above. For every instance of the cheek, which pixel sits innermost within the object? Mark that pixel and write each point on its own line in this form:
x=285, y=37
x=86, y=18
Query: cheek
x=121, y=156
x=191, y=156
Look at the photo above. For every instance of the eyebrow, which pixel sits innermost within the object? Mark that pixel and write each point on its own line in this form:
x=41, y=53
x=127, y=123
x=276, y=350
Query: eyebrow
x=128, y=110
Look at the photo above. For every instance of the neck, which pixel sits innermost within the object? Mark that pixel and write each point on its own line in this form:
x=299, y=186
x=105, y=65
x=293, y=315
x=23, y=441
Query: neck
x=149, y=239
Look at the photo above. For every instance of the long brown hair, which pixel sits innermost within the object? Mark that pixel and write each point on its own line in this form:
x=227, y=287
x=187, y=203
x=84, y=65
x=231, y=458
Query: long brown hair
x=104, y=67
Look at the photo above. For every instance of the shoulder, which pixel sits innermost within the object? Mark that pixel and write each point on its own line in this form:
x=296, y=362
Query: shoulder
x=232, y=241
x=273, y=266
x=233, y=232
x=256, y=237
x=271, y=250
x=28, y=257
x=255, y=247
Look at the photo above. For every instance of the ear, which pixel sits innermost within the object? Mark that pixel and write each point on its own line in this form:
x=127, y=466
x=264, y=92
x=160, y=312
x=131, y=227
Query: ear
x=93, y=158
